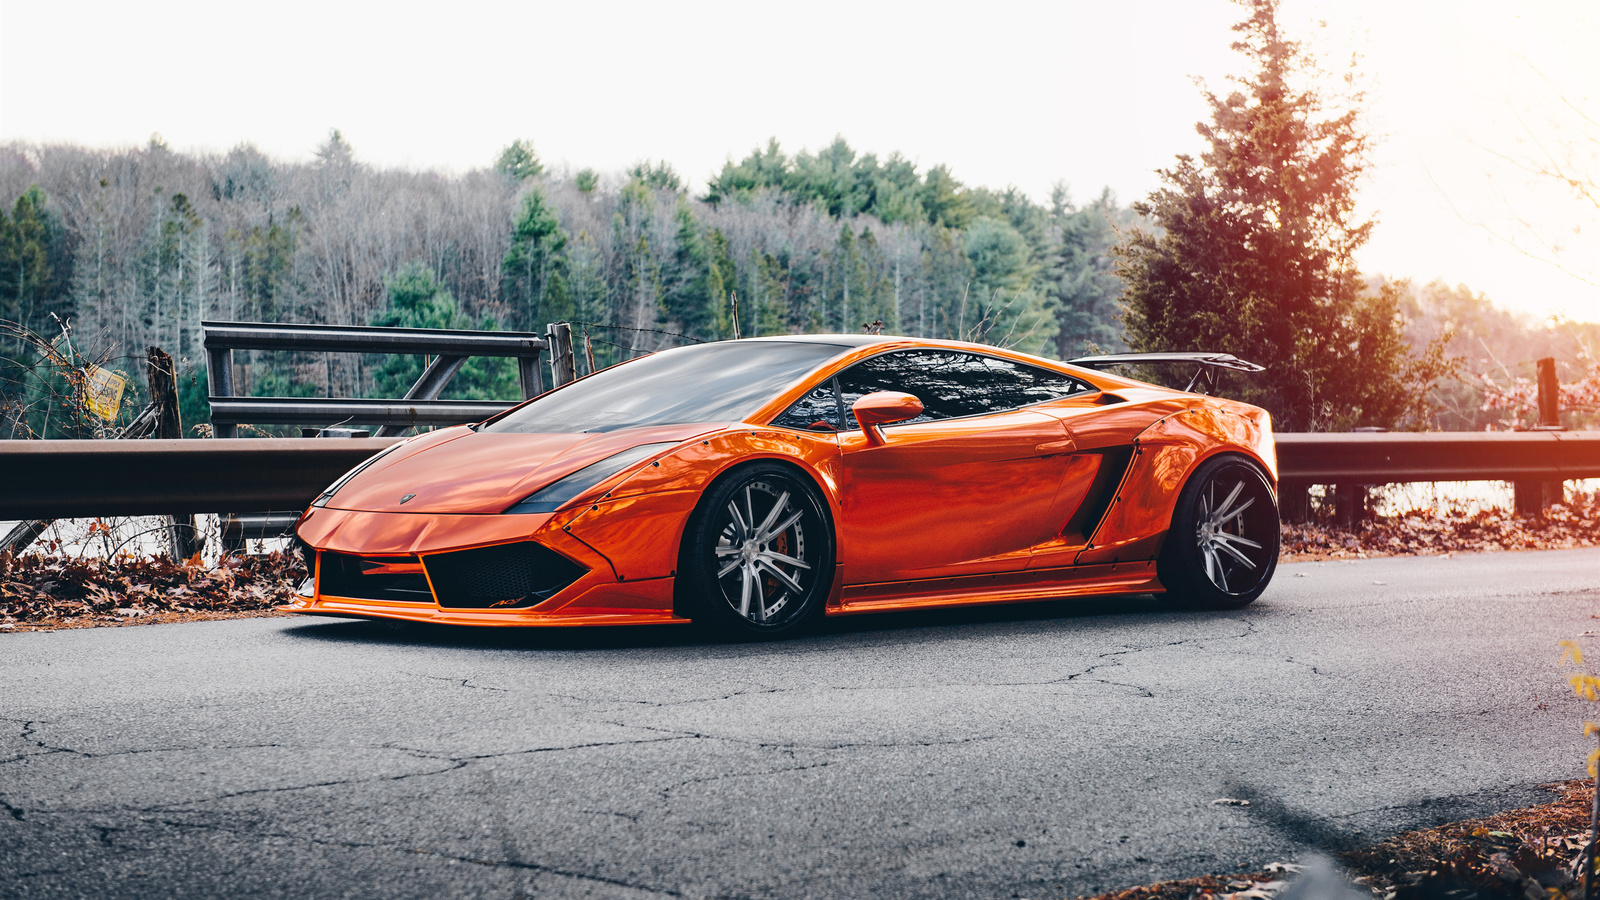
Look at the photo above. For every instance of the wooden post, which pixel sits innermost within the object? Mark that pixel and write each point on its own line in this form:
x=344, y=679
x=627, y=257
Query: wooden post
x=1533, y=496
x=1549, y=394
x=182, y=542
x=563, y=367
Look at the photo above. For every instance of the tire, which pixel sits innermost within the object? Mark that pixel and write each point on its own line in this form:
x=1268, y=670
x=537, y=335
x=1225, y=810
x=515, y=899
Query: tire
x=1223, y=546
x=757, y=555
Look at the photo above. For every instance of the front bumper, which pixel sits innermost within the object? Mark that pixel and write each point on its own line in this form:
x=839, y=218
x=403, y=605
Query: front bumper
x=469, y=570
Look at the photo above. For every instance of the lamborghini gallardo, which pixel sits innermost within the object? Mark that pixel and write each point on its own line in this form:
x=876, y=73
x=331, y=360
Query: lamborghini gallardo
x=755, y=486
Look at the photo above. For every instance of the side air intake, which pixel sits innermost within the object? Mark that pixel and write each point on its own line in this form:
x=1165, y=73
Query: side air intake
x=505, y=576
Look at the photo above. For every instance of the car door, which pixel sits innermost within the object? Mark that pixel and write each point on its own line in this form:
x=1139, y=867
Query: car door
x=969, y=487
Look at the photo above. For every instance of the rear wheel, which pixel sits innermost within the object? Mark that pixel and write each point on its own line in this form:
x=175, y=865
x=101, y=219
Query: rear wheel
x=1223, y=546
x=757, y=557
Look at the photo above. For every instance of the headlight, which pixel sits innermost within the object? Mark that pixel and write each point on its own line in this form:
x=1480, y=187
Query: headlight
x=552, y=496
x=322, y=500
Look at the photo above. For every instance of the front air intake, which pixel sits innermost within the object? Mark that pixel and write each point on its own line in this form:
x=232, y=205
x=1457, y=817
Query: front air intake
x=396, y=578
x=505, y=576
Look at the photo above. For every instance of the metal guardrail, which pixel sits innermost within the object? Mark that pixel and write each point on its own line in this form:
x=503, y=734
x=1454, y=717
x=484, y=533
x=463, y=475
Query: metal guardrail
x=420, y=406
x=400, y=413
x=1438, y=456
x=65, y=479
x=62, y=479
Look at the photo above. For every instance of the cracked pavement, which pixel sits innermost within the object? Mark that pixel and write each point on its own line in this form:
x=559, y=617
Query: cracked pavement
x=1047, y=750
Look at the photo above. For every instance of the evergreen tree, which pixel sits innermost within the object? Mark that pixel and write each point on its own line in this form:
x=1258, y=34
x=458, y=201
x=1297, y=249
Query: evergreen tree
x=32, y=260
x=533, y=273
x=637, y=292
x=722, y=282
x=176, y=275
x=763, y=168
x=843, y=184
x=1002, y=305
x=874, y=287
x=944, y=199
x=257, y=268
x=833, y=179
x=586, y=181
x=942, y=310
x=518, y=162
x=844, y=271
x=418, y=300
x=687, y=304
x=656, y=176
x=1081, y=276
x=896, y=192
x=1256, y=255
x=587, y=283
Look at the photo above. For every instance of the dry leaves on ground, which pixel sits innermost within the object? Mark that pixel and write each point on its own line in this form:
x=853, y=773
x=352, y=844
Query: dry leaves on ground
x=1425, y=532
x=50, y=590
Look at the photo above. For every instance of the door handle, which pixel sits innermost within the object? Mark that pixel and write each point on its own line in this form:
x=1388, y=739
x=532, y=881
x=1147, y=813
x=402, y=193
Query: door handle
x=1050, y=448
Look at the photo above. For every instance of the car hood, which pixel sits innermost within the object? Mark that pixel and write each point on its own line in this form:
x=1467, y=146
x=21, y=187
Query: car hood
x=485, y=472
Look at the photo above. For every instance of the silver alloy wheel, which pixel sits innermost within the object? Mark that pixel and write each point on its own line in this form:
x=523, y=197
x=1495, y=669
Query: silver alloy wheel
x=1220, y=533
x=762, y=566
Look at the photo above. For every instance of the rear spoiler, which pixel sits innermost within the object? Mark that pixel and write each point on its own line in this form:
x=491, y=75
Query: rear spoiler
x=1206, y=362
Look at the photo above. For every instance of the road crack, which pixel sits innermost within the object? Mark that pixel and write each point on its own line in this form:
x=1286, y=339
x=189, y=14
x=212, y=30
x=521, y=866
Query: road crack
x=667, y=703
x=666, y=791
x=543, y=868
x=464, y=682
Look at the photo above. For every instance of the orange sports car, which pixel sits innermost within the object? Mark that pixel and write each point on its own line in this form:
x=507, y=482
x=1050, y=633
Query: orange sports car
x=757, y=485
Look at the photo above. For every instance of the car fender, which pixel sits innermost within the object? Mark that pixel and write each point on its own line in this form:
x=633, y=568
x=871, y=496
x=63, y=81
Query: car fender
x=638, y=525
x=1164, y=456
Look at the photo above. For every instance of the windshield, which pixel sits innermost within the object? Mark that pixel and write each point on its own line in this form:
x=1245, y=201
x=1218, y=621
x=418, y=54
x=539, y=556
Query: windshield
x=720, y=382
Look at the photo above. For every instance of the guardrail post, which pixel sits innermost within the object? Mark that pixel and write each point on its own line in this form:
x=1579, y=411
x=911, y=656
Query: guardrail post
x=1350, y=504
x=1294, y=501
x=531, y=377
x=1529, y=496
x=219, y=373
x=563, y=367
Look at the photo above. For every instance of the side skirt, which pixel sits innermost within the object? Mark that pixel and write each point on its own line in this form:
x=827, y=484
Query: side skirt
x=1004, y=587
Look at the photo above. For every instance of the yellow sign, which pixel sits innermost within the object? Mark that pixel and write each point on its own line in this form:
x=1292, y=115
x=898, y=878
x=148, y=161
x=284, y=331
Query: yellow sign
x=103, y=392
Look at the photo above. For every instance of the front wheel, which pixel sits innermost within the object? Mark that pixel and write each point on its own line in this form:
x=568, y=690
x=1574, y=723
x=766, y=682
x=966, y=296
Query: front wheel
x=1223, y=546
x=757, y=557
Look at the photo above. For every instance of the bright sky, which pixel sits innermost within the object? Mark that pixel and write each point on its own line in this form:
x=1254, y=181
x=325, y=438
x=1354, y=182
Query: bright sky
x=1023, y=93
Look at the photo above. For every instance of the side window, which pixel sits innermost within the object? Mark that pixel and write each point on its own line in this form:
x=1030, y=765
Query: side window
x=818, y=410
x=952, y=383
x=919, y=372
x=1016, y=384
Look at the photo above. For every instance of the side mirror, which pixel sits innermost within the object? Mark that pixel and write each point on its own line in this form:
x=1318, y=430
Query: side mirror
x=884, y=408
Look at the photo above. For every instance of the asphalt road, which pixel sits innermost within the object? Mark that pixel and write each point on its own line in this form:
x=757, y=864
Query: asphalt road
x=1041, y=751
